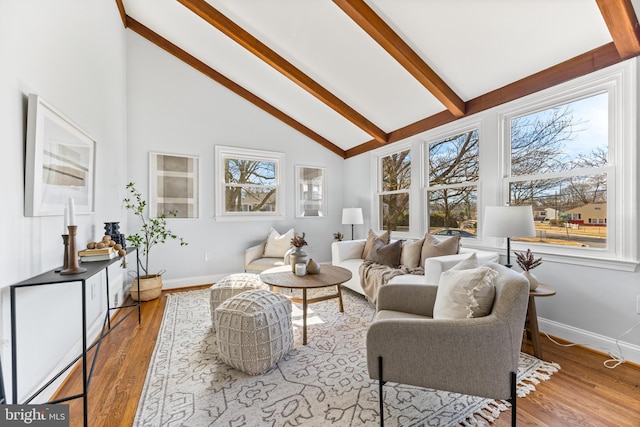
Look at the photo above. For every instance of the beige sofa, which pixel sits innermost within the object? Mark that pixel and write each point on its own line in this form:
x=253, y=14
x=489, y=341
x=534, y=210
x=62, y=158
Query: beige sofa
x=348, y=254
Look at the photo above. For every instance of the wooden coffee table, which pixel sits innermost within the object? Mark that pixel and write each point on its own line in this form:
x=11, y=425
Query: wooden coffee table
x=330, y=275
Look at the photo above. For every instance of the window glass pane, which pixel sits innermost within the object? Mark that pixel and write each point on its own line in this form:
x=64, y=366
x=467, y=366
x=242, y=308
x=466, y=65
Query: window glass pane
x=241, y=171
x=568, y=211
x=453, y=211
x=394, y=212
x=570, y=136
x=454, y=160
x=250, y=199
x=396, y=171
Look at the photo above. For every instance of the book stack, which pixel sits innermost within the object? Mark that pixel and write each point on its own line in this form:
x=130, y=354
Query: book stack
x=104, y=254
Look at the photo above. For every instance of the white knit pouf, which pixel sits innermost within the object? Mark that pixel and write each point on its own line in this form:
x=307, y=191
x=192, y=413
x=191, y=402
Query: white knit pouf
x=254, y=330
x=233, y=285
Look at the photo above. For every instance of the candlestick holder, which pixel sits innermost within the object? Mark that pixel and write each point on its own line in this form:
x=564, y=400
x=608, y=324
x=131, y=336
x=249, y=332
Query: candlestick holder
x=65, y=260
x=73, y=266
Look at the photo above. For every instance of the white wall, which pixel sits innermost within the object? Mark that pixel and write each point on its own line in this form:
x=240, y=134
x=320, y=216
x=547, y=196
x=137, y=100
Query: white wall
x=593, y=306
x=173, y=108
x=71, y=53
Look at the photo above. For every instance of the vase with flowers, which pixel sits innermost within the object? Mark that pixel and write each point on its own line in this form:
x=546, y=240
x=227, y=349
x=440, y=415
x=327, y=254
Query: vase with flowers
x=528, y=262
x=298, y=255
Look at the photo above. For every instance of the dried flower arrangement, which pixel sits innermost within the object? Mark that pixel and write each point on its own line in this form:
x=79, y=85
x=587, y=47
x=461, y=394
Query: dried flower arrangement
x=337, y=236
x=526, y=261
x=298, y=240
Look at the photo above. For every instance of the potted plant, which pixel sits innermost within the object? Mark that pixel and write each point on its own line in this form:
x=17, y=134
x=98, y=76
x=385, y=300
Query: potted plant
x=298, y=255
x=528, y=262
x=154, y=231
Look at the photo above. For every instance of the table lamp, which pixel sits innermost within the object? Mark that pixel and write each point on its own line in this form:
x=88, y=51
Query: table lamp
x=509, y=222
x=352, y=216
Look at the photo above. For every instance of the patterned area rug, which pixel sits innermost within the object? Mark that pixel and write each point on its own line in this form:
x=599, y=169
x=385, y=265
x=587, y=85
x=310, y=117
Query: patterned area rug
x=323, y=383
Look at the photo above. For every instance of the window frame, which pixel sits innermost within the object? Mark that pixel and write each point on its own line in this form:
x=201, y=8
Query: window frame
x=225, y=152
x=425, y=182
x=619, y=82
x=376, y=178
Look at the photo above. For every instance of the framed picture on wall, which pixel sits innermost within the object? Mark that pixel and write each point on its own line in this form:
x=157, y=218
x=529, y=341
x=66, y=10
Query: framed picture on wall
x=60, y=162
x=311, y=192
x=174, y=185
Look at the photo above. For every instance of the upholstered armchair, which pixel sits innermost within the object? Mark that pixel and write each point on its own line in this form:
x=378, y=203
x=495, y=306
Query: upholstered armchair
x=273, y=252
x=475, y=356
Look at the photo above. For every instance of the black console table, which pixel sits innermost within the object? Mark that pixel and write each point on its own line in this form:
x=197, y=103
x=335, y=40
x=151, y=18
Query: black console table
x=52, y=278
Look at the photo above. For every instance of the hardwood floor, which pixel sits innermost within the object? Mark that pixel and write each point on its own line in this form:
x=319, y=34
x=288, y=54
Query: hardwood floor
x=583, y=393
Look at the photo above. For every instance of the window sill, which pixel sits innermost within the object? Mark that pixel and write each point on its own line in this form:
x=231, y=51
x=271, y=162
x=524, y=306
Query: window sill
x=230, y=218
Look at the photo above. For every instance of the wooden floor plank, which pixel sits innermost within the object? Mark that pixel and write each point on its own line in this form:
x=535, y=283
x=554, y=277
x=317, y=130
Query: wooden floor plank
x=582, y=393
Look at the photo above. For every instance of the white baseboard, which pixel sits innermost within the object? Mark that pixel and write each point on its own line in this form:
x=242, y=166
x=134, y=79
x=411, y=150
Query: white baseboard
x=601, y=343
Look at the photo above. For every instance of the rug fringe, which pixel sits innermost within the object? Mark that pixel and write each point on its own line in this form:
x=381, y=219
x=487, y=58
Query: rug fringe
x=542, y=373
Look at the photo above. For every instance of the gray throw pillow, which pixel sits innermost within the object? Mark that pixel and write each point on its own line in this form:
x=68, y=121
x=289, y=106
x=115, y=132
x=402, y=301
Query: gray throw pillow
x=385, y=237
x=388, y=255
x=435, y=247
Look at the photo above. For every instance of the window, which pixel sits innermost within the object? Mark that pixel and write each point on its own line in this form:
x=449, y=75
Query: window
x=393, y=191
x=248, y=183
x=559, y=163
x=311, y=200
x=452, y=190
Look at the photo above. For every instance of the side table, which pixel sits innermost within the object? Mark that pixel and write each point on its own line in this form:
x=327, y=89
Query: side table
x=531, y=324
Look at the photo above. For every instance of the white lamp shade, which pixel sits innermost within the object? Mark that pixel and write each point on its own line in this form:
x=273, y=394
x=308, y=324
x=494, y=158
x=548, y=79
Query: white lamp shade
x=352, y=216
x=508, y=221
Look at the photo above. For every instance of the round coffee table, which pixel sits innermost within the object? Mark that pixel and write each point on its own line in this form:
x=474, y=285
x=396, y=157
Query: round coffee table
x=330, y=275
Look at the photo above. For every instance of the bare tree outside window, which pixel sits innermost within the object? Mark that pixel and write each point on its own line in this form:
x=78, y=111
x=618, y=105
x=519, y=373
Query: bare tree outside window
x=559, y=165
x=452, y=190
x=250, y=185
x=393, y=198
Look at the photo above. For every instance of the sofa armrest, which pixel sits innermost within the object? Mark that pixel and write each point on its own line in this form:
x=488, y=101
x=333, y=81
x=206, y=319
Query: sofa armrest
x=347, y=249
x=254, y=252
x=414, y=299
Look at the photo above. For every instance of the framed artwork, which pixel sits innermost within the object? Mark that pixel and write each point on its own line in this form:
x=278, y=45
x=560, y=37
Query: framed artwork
x=60, y=162
x=174, y=186
x=311, y=192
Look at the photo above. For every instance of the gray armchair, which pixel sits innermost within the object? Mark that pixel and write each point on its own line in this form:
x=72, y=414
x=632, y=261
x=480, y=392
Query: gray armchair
x=477, y=356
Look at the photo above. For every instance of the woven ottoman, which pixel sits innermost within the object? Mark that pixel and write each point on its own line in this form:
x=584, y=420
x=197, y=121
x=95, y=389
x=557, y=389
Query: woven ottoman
x=233, y=285
x=254, y=330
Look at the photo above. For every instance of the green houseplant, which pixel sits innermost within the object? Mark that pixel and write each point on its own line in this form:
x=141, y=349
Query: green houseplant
x=154, y=231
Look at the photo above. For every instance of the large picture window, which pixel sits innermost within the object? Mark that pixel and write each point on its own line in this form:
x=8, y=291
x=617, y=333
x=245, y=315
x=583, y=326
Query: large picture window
x=393, y=191
x=248, y=183
x=559, y=164
x=452, y=190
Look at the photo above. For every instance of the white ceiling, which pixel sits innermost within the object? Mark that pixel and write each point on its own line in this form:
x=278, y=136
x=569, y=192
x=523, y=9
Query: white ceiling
x=474, y=46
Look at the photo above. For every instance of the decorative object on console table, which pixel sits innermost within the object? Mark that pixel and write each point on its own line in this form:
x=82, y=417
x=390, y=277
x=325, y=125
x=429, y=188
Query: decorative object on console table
x=113, y=229
x=509, y=222
x=352, y=216
x=527, y=262
x=154, y=231
x=298, y=255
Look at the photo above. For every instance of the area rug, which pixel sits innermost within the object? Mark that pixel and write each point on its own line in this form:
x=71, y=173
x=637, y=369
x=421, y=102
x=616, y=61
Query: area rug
x=323, y=383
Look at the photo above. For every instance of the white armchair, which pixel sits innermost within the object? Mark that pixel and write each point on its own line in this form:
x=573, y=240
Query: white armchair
x=255, y=262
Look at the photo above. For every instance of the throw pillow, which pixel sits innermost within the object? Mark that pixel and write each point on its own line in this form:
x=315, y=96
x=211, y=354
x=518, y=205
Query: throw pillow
x=467, y=264
x=277, y=244
x=384, y=254
x=463, y=294
x=385, y=237
x=411, y=251
x=435, y=247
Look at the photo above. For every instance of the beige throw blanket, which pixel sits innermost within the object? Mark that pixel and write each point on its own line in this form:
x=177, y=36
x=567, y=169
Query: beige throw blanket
x=374, y=275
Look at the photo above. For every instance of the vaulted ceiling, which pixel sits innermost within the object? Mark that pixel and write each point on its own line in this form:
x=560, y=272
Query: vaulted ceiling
x=353, y=75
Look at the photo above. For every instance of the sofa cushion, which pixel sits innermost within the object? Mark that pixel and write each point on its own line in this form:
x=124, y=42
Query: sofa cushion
x=385, y=254
x=411, y=252
x=465, y=293
x=433, y=246
x=277, y=244
x=385, y=237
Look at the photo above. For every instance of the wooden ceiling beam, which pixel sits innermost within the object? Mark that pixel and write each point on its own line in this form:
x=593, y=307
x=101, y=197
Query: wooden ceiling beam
x=623, y=26
x=121, y=11
x=390, y=41
x=192, y=61
x=578, y=66
x=262, y=51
